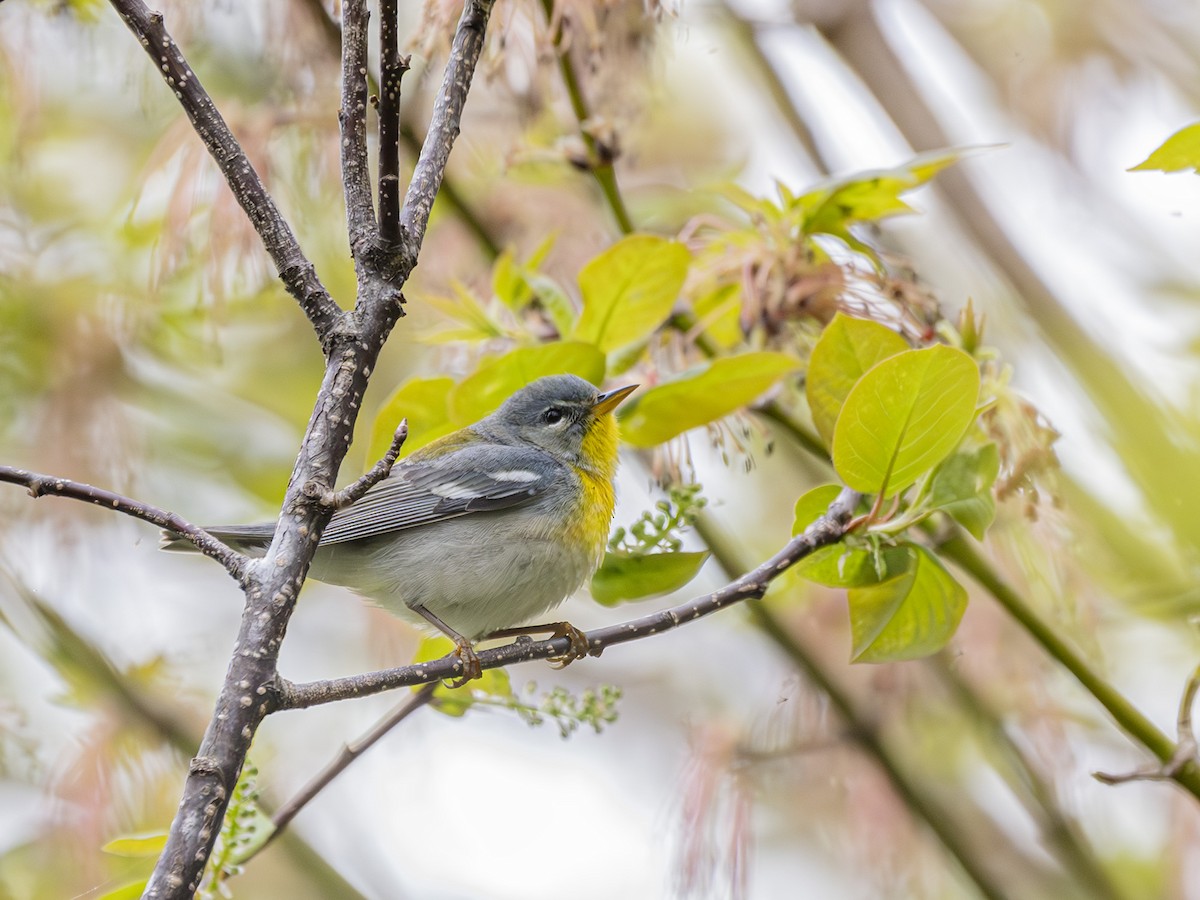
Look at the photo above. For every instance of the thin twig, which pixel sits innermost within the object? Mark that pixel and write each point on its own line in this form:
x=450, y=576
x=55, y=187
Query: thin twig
x=1185, y=747
x=828, y=529
x=444, y=124
x=352, y=349
x=933, y=814
x=352, y=493
x=449, y=193
x=600, y=156
x=52, y=486
x=392, y=67
x=348, y=754
x=959, y=550
x=297, y=273
x=1059, y=832
x=352, y=117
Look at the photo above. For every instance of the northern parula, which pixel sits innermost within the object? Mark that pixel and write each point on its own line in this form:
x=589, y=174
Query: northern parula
x=483, y=529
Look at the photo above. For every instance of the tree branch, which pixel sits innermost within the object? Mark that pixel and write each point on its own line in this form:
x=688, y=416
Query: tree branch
x=347, y=755
x=931, y=813
x=392, y=67
x=352, y=117
x=354, y=492
x=600, y=156
x=444, y=124
x=297, y=273
x=352, y=349
x=40, y=485
x=1185, y=746
x=960, y=551
x=449, y=194
x=828, y=529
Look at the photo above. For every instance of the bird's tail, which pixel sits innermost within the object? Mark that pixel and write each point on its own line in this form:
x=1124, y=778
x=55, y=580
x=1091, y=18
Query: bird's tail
x=251, y=539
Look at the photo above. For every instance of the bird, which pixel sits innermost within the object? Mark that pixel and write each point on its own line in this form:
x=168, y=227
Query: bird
x=483, y=529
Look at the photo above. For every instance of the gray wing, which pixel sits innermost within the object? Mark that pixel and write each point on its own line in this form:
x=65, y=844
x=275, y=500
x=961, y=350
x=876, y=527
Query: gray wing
x=472, y=479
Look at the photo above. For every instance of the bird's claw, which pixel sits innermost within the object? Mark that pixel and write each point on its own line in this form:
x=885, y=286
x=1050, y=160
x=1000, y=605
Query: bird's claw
x=578, y=648
x=465, y=654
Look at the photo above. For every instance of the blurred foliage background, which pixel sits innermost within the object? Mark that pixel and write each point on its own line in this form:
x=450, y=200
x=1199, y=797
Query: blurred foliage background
x=145, y=346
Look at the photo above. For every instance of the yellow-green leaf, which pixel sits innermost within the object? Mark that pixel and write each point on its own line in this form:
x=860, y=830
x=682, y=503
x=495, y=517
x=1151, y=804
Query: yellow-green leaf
x=903, y=417
x=137, y=846
x=907, y=617
x=717, y=314
x=464, y=307
x=629, y=289
x=423, y=402
x=492, y=384
x=455, y=702
x=622, y=578
x=512, y=281
x=704, y=396
x=131, y=890
x=555, y=302
x=1178, y=152
x=962, y=487
x=848, y=347
x=841, y=566
x=870, y=196
x=812, y=505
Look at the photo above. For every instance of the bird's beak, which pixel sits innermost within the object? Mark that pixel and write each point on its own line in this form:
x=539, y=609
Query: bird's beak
x=608, y=401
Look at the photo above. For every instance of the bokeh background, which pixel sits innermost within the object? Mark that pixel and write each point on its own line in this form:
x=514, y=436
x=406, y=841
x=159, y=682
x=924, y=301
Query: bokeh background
x=146, y=346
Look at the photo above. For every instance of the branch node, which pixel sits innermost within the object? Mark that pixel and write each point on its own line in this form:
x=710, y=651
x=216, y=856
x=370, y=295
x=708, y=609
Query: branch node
x=354, y=492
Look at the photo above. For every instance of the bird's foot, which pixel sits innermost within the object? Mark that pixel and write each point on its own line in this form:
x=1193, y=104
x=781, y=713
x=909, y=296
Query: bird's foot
x=465, y=654
x=578, y=648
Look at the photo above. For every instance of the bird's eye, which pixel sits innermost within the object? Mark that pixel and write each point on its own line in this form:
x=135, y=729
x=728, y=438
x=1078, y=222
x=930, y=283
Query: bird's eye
x=552, y=416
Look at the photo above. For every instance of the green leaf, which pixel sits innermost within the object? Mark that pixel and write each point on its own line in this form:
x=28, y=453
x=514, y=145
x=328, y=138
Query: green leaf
x=136, y=846
x=870, y=196
x=512, y=281
x=1178, y=152
x=423, y=402
x=841, y=566
x=812, y=505
x=494, y=382
x=622, y=577
x=629, y=289
x=718, y=315
x=554, y=300
x=465, y=308
x=962, y=487
x=507, y=283
x=909, y=616
x=706, y=395
x=903, y=417
x=130, y=891
x=455, y=702
x=847, y=348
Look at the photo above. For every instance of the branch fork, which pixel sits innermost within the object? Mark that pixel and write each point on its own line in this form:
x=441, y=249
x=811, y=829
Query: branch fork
x=352, y=493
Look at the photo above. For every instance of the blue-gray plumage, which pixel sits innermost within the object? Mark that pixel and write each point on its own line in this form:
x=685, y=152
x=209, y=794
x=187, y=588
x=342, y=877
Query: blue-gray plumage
x=485, y=528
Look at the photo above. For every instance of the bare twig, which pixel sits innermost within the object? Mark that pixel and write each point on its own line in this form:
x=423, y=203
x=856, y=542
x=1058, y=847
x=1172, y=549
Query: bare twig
x=296, y=272
x=392, y=67
x=51, y=486
x=348, y=754
x=828, y=529
x=444, y=124
x=352, y=348
x=1185, y=746
x=449, y=194
x=354, y=492
x=360, y=214
x=600, y=156
x=868, y=738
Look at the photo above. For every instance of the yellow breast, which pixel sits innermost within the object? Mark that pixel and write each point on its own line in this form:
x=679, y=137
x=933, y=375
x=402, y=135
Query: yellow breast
x=599, y=451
